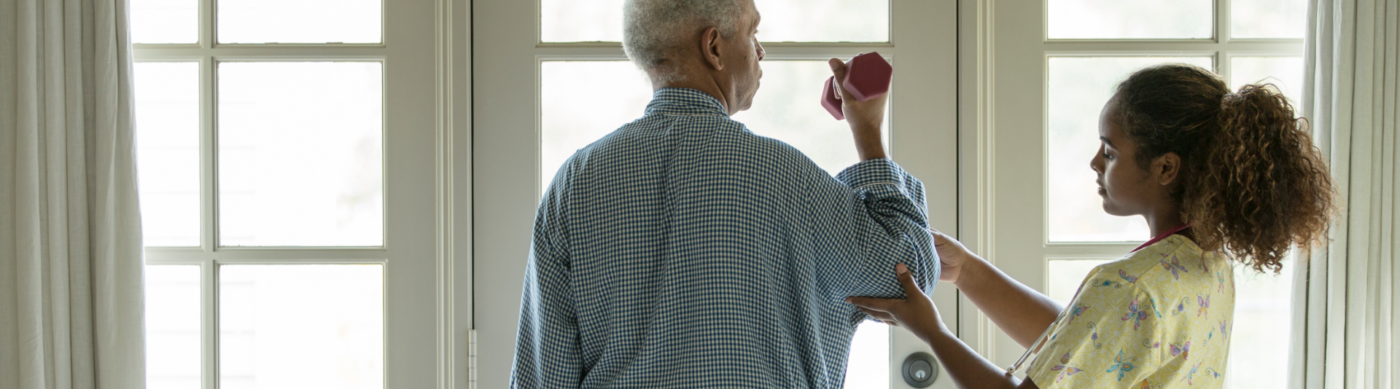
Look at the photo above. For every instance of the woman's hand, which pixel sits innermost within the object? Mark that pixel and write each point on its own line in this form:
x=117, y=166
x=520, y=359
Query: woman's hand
x=915, y=313
x=952, y=255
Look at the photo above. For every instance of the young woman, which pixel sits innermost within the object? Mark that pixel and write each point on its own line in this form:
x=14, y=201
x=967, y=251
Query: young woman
x=1218, y=176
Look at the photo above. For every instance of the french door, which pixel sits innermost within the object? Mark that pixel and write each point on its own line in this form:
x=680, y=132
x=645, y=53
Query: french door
x=550, y=77
x=286, y=158
x=1054, y=68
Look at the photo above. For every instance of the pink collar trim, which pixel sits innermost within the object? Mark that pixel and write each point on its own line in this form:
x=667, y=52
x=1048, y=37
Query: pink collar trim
x=1164, y=235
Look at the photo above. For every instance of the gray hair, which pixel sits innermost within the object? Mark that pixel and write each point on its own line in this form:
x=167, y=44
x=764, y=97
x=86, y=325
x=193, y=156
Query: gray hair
x=654, y=31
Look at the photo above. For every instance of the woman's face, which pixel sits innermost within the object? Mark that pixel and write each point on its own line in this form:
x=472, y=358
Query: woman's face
x=1127, y=189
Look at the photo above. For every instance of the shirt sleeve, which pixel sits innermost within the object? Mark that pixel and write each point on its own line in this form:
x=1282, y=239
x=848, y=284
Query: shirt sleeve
x=1110, y=334
x=869, y=218
x=548, y=350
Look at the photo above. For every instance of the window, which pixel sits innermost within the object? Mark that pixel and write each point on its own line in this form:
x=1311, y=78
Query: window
x=265, y=146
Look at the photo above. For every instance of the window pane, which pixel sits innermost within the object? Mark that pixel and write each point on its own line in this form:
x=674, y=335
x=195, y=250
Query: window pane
x=299, y=21
x=1078, y=88
x=172, y=327
x=617, y=93
x=300, y=146
x=824, y=21
x=165, y=21
x=581, y=21
x=1263, y=301
x=1284, y=72
x=1268, y=18
x=1262, y=327
x=301, y=326
x=868, y=366
x=167, y=145
x=1141, y=19
x=1063, y=277
x=783, y=20
x=787, y=107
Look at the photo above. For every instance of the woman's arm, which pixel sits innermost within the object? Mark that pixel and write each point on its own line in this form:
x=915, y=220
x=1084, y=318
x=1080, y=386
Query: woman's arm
x=970, y=370
x=966, y=367
x=1020, y=311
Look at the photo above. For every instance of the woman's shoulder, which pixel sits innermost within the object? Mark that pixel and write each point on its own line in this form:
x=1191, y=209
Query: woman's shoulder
x=1172, y=259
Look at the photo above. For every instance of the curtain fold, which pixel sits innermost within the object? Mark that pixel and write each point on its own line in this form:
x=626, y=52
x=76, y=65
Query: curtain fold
x=71, y=303
x=1348, y=296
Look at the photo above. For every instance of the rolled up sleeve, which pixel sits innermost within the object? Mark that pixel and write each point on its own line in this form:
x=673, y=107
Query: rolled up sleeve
x=872, y=216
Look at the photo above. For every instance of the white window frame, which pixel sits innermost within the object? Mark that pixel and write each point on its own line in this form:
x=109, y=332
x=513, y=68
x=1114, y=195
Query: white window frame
x=424, y=329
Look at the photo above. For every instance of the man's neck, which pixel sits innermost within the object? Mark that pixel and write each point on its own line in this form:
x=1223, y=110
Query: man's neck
x=706, y=85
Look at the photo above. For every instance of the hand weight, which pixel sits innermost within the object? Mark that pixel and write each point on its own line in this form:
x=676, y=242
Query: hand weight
x=867, y=77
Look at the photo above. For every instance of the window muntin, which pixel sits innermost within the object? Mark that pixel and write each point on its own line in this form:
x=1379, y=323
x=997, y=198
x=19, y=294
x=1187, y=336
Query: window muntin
x=783, y=21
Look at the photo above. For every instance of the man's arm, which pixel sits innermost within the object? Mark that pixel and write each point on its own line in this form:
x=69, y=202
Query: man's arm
x=871, y=217
x=874, y=215
x=547, y=349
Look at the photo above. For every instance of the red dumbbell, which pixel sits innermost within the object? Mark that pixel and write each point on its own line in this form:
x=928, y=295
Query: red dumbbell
x=867, y=77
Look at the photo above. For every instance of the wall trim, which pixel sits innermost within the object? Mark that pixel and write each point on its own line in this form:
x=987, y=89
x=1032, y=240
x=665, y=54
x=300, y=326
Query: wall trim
x=444, y=198
x=976, y=168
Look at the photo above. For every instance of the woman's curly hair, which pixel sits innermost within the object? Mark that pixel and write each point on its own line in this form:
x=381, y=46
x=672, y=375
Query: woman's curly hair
x=1253, y=184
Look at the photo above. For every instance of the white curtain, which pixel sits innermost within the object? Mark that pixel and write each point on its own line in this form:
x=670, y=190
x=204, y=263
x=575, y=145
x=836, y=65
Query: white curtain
x=70, y=233
x=1348, y=298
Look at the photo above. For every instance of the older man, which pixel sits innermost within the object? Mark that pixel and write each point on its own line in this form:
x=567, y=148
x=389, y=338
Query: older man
x=682, y=250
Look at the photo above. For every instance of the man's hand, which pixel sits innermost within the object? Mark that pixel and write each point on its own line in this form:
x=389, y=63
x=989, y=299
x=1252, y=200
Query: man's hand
x=916, y=312
x=865, y=118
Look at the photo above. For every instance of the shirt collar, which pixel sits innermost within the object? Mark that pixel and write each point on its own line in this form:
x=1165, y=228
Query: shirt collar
x=681, y=101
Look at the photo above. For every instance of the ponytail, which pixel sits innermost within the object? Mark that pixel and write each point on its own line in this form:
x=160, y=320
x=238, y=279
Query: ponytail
x=1253, y=184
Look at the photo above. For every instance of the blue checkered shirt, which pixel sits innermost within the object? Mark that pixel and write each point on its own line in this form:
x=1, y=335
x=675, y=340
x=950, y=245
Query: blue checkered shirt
x=683, y=250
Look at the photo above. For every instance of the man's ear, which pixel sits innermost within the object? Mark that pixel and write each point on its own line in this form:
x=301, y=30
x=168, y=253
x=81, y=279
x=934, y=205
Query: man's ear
x=1167, y=168
x=710, y=48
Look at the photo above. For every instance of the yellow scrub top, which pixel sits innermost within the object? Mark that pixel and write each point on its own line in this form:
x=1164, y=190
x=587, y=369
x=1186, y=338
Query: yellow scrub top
x=1157, y=318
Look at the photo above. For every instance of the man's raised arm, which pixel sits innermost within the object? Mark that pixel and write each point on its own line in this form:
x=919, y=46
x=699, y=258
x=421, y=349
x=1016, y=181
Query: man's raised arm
x=874, y=213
